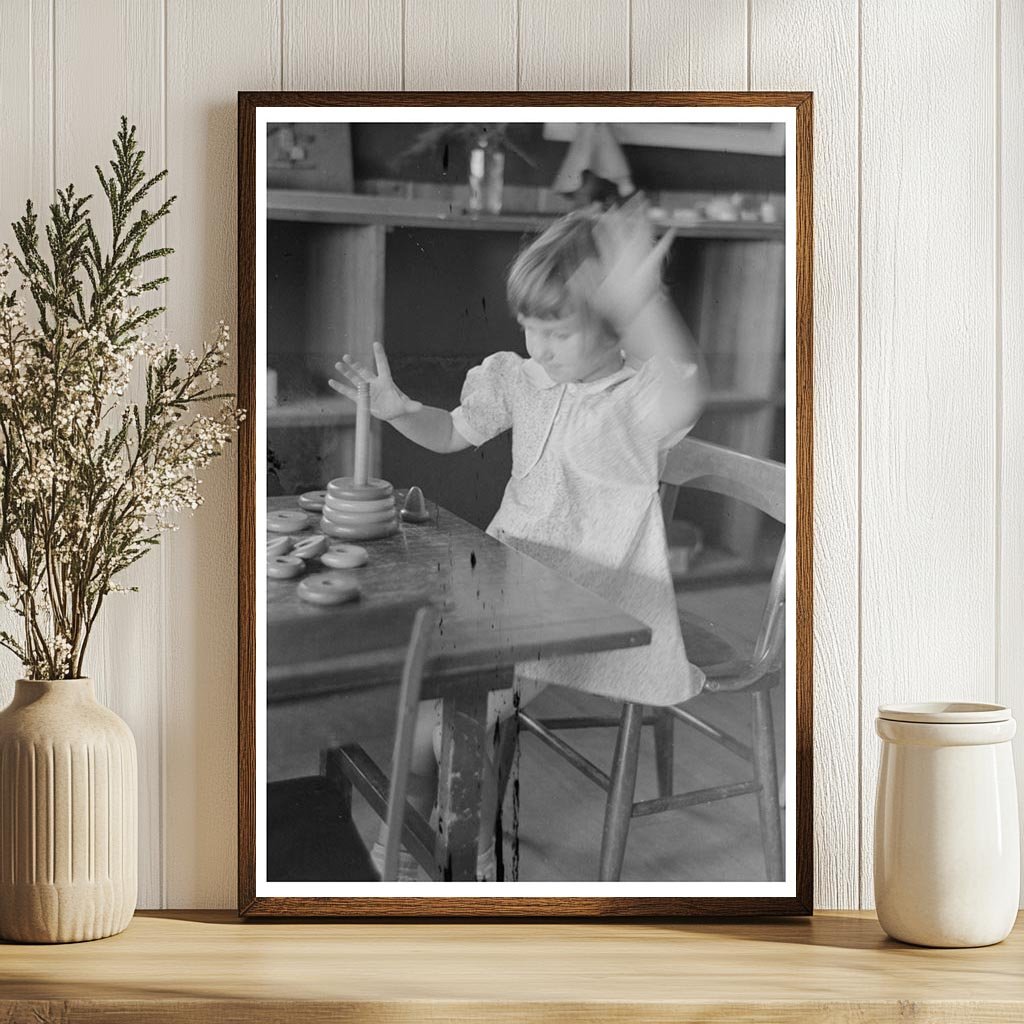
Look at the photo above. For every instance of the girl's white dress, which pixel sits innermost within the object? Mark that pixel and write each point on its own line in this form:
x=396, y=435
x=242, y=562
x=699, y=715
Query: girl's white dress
x=583, y=499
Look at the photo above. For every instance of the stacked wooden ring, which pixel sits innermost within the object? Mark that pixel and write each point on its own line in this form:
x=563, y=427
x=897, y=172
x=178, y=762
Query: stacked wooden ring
x=354, y=511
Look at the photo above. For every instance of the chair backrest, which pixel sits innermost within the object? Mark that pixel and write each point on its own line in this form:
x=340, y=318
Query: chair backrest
x=353, y=648
x=759, y=483
x=424, y=627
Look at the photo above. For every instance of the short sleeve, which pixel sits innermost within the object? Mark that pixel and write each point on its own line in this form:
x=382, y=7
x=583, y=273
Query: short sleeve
x=665, y=394
x=486, y=408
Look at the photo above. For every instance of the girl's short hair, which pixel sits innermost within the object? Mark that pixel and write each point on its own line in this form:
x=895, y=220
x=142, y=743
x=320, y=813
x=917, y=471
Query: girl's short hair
x=539, y=275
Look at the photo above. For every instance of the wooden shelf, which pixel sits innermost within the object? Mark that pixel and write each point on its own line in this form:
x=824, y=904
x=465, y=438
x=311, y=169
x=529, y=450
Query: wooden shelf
x=397, y=211
x=742, y=401
x=312, y=412
x=334, y=287
x=327, y=412
x=201, y=966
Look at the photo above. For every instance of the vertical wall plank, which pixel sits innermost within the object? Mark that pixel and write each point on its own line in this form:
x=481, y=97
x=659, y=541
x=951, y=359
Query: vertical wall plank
x=930, y=367
x=345, y=44
x=26, y=121
x=1011, y=316
x=213, y=51
x=26, y=103
x=468, y=45
x=699, y=44
x=575, y=44
x=814, y=46
x=122, y=657
x=928, y=516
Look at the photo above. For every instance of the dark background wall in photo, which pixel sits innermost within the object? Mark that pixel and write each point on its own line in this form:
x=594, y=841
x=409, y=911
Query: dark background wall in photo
x=442, y=309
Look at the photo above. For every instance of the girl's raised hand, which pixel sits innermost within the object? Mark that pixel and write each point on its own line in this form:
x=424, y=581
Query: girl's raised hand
x=627, y=274
x=387, y=400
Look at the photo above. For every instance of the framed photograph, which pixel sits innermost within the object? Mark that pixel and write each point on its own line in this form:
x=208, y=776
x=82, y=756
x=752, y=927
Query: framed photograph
x=525, y=504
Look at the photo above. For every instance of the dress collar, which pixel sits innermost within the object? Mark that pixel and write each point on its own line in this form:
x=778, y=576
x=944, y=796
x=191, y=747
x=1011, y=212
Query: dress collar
x=538, y=377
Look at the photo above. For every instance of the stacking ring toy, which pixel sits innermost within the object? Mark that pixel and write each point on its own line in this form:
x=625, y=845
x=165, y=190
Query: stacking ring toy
x=287, y=521
x=346, y=488
x=414, y=507
x=345, y=556
x=312, y=500
x=384, y=515
x=279, y=545
x=284, y=567
x=360, y=507
x=327, y=588
x=310, y=547
x=368, y=531
x=342, y=505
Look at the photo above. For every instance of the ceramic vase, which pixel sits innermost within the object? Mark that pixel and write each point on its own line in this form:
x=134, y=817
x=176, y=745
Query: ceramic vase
x=947, y=848
x=68, y=815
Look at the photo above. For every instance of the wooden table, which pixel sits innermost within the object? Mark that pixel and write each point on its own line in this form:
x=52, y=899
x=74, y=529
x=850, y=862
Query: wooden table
x=835, y=968
x=498, y=606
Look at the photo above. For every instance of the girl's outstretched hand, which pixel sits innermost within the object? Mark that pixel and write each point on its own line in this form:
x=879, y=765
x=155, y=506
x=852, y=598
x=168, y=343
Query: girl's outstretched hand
x=627, y=274
x=387, y=401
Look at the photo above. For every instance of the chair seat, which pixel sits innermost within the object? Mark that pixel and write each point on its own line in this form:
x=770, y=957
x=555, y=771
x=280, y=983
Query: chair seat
x=310, y=837
x=705, y=644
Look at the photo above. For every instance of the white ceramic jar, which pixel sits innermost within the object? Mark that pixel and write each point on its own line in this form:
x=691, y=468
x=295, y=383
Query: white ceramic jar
x=947, y=847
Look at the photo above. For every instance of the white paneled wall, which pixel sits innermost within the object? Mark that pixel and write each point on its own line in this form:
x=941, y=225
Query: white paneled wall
x=1009, y=336
x=919, y=324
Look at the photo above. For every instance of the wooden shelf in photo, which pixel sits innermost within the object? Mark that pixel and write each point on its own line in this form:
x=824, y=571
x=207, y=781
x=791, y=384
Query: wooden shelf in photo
x=733, y=400
x=312, y=412
x=398, y=211
x=318, y=412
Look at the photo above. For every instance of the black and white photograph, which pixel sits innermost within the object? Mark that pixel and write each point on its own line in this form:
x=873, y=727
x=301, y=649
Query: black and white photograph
x=525, y=446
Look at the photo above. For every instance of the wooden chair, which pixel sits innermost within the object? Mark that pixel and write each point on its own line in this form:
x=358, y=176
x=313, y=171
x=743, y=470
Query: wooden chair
x=729, y=664
x=310, y=833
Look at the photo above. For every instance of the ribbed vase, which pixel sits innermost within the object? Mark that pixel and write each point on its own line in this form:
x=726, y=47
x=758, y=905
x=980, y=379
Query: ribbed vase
x=68, y=815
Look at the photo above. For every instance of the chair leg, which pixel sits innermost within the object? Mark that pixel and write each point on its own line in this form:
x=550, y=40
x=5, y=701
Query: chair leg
x=619, y=809
x=766, y=773
x=664, y=750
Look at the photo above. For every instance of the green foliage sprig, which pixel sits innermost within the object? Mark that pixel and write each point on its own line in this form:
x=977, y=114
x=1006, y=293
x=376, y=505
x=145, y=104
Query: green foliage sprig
x=89, y=477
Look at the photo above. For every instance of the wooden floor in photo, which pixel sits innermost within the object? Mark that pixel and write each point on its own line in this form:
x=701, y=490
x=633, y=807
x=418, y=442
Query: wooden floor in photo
x=560, y=813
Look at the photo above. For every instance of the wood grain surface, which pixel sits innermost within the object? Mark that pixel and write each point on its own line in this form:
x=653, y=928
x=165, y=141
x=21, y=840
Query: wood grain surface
x=497, y=606
x=127, y=82
x=919, y=170
x=928, y=444
x=1009, y=226
x=701, y=44
x=199, y=967
x=346, y=44
x=227, y=46
x=469, y=45
x=832, y=75
x=574, y=44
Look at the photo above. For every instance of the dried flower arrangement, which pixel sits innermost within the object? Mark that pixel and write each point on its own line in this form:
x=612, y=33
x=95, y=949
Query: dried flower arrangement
x=89, y=477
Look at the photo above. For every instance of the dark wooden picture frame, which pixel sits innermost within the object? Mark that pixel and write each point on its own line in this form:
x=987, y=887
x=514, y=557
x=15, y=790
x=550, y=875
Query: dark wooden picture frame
x=253, y=905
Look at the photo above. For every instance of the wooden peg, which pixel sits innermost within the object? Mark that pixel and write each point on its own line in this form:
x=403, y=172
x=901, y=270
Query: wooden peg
x=362, y=453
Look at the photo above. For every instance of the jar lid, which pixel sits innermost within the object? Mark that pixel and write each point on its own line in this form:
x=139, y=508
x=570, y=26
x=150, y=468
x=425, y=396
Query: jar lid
x=945, y=713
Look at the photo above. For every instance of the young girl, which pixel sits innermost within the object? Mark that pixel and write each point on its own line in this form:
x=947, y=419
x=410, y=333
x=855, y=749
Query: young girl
x=611, y=383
